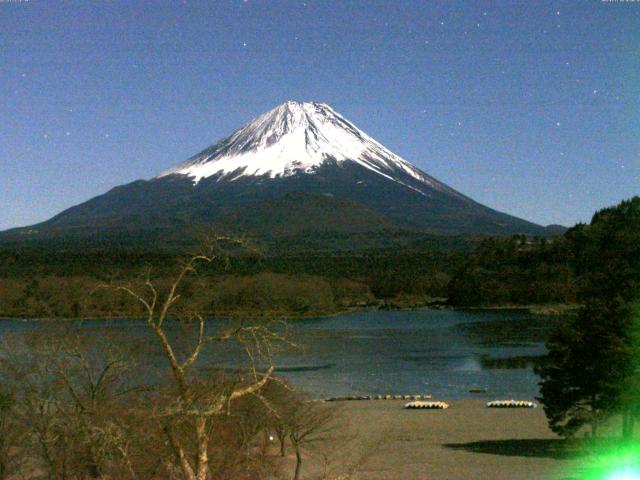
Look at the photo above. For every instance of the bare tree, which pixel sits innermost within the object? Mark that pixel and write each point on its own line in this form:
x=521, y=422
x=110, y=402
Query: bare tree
x=188, y=418
x=280, y=397
x=307, y=423
x=67, y=393
x=93, y=404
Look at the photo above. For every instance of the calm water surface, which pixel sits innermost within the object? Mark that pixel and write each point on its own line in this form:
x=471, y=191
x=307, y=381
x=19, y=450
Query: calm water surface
x=431, y=351
x=438, y=352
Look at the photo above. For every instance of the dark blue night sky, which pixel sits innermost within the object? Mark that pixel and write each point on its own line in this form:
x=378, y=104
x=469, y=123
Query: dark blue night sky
x=532, y=108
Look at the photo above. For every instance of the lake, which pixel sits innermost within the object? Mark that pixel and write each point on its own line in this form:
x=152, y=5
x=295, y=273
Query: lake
x=440, y=352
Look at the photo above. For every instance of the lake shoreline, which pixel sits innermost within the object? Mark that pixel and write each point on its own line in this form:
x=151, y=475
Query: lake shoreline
x=543, y=309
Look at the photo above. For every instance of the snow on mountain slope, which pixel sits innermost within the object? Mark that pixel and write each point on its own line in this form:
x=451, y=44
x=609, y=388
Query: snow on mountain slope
x=298, y=137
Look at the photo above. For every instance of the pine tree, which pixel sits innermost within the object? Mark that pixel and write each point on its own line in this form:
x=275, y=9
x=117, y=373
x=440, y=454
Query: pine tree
x=593, y=366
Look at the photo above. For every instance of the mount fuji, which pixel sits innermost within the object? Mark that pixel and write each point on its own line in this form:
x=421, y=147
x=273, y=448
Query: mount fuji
x=299, y=170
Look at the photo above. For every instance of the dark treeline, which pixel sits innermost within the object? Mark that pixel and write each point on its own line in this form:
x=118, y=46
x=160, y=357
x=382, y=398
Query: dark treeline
x=495, y=271
x=515, y=271
x=41, y=283
x=38, y=282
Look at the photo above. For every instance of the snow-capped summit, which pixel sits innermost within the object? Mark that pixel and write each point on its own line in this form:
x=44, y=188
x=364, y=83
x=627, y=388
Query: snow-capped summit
x=294, y=138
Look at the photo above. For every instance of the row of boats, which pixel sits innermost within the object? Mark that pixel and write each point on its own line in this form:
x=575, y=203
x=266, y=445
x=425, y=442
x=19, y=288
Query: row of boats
x=418, y=404
x=423, y=401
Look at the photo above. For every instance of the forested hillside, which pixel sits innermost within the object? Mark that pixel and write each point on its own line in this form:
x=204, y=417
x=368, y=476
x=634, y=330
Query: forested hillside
x=59, y=281
x=509, y=271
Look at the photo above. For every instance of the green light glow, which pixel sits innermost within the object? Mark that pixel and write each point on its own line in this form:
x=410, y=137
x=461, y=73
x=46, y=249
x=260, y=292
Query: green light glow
x=616, y=462
x=625, y=473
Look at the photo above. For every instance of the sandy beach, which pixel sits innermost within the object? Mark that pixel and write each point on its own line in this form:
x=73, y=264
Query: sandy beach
x=379, y=440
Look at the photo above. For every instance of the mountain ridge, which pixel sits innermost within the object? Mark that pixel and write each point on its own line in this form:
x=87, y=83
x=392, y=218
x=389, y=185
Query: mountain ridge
x=297, y=147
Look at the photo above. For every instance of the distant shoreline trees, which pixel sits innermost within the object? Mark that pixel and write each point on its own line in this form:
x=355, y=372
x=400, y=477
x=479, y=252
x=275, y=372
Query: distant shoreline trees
x=506, y=271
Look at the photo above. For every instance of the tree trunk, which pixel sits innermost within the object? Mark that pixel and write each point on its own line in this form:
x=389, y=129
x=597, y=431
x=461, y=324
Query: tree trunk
x=203, y=446
x=296, y=474
x=180, y=454
x=282, y=438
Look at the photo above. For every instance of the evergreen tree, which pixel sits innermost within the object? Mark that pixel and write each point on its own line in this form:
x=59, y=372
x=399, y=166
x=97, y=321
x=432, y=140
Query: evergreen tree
x=582, y=376
x=592, y=367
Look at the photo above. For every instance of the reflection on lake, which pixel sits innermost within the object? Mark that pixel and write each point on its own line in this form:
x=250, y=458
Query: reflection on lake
x=440, y=352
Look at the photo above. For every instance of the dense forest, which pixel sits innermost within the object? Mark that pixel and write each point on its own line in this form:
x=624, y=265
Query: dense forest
x=514, y=271
x=510, y=271
x=40, y=281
